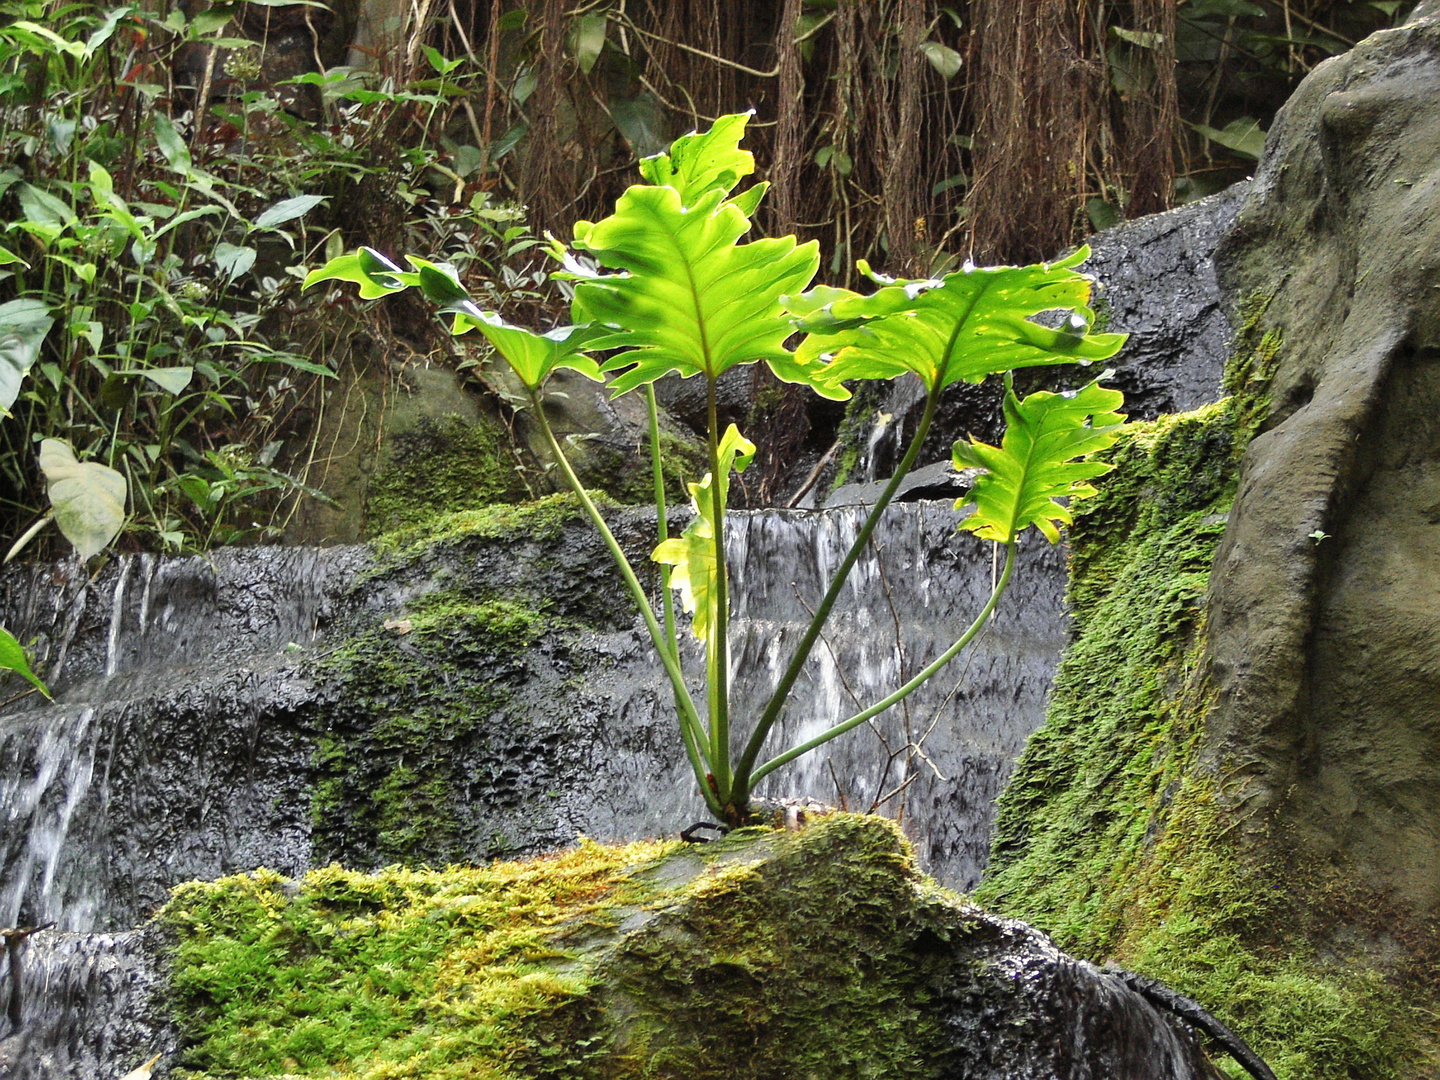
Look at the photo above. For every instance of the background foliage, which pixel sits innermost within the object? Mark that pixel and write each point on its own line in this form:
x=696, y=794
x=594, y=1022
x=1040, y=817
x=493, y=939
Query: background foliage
x=167, y=173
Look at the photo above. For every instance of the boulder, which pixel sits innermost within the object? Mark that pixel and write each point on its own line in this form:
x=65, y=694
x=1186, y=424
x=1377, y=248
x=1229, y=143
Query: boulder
x=1324, y=641
x=773, y=955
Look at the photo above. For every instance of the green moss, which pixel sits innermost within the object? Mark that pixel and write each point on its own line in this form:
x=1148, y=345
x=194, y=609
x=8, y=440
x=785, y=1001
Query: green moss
x=625, y=474
x=539, y=518
x=404, y=973
x=1111, y=836
x=801, y=966
x=408, y=699
x=442, y=466
x=770, y=956
x=854, y=431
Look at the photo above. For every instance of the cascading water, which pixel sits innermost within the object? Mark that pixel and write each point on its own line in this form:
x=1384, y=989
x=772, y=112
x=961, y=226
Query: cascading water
x=943, y=754
x=184, y=737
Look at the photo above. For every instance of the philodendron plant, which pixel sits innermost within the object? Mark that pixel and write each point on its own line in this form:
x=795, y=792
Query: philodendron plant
x=665, y=284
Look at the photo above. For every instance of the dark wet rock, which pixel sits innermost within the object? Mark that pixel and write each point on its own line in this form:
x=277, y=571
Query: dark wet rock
x=1324, y=637
x=927, y=482
x=686, y=400
x=1156, y=282
x=94, y=1006
x=253, y=707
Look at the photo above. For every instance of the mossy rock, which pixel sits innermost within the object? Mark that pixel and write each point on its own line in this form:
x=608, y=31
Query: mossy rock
x=772, y=955
x=1114, y=834
x=443, y=465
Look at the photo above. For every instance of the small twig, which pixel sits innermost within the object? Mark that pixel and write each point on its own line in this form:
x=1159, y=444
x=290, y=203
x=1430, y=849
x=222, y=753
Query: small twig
x=814, y=475
x=839, y=792
x=202, y=93
x=690, y=837
x=883, y=799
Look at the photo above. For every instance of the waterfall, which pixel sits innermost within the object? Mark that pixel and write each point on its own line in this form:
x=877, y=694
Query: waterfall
x=943, y=754
x=46, y=771
x=183, y=740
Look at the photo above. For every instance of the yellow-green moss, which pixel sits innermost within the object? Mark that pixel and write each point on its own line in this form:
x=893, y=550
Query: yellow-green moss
x=768, y=956
x=404, y=973
x=444, y=465
x=1110, y=836
x=538, y=518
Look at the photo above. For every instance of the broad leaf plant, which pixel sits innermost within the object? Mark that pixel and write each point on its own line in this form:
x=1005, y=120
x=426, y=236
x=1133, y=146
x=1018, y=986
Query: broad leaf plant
x=668, y=284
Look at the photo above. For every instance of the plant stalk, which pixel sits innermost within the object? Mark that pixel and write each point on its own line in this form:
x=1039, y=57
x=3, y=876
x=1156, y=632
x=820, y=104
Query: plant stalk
x=692, y=738
x=904, y=691
x=717, y=675
x=692, y=728
x=771, y=715
x=662, y=526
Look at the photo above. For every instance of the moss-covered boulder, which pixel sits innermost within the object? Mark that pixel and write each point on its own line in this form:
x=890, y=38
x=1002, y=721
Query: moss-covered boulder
x=1237, y=789
x=769, y=956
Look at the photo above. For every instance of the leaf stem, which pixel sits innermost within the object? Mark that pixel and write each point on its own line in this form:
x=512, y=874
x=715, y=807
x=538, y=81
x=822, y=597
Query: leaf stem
x=717, y=652
x=904, y=691
x=691, y=726
x=662, y=526
x=743, y=778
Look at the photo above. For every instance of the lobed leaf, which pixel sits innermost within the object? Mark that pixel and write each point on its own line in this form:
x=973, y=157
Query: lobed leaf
x=967, y=325
x=701, y=162
x=690, y=298
x=692, y=555
x=534, y=356
x=1045, y=455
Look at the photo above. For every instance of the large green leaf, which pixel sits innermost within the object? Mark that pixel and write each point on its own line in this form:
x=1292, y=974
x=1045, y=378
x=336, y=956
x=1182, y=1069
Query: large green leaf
x=966, y=325
x=1045, y=455
x=376, y=275
x=692, y=555
x=691, y=298
x=534, y=356
x=13, y=658
x=89, y=499
x=23, y=326
x=704, y=161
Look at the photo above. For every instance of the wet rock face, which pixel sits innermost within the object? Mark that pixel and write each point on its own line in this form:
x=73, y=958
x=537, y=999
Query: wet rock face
x=92, y=1006
x=487, y=695
x=1325, y=631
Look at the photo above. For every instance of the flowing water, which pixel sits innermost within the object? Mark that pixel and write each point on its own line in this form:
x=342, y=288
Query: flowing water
x=181, y=745
x=938, y=760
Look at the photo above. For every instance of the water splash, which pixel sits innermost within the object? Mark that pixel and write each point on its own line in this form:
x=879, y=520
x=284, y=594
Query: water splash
x=92, y=1007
